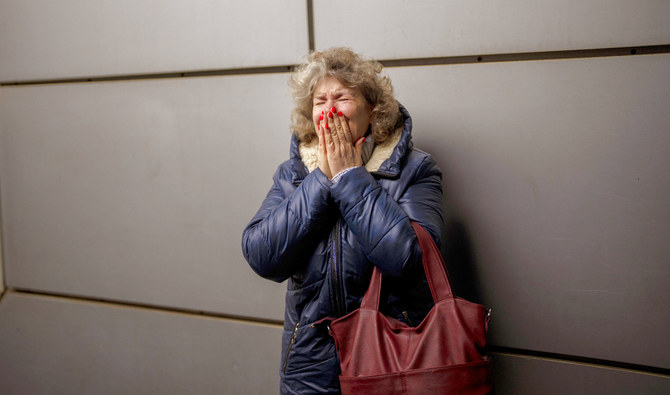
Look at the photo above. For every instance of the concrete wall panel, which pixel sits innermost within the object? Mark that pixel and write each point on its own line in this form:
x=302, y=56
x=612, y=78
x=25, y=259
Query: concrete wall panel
x=558, y=172
x=139, y=191
x=524, y=375
x=398, y=29
x=60, y=346
x=41, y=39
x=2, y=267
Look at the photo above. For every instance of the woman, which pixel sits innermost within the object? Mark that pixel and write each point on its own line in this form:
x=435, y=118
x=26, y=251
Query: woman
x=340, y=205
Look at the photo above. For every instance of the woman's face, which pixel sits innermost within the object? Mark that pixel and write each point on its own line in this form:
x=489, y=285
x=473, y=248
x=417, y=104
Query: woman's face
x=329, y=93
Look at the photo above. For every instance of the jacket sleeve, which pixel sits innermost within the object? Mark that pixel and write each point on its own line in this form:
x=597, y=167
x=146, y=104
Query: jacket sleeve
x=282, y=227
x=382, y=224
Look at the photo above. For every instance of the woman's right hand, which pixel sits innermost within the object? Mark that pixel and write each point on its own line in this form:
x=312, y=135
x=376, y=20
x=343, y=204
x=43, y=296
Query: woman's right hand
x=323, y=153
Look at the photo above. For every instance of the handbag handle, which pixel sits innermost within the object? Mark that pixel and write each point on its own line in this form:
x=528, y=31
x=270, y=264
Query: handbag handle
x=433, y=266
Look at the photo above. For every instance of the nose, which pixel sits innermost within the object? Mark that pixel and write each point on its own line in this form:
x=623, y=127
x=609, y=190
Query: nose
x=332, y=105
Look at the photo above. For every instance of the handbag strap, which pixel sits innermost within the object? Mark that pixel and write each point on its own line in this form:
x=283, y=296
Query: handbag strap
x=433, y=266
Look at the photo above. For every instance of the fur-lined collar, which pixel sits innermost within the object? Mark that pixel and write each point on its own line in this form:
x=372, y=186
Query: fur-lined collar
x=380, y=153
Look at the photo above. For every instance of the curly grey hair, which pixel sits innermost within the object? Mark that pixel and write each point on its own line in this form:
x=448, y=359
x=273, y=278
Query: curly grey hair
x=353, y=71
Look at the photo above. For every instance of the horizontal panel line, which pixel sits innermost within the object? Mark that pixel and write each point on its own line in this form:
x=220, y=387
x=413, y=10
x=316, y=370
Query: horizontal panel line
x=146, y=306
x=530, y=56
x=596, y=362
x=151, y=76
x=432, y=61
x=493, y=349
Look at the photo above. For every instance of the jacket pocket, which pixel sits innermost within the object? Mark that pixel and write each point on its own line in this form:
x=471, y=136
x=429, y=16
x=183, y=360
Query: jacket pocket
x=308, y=346
x=290, y=346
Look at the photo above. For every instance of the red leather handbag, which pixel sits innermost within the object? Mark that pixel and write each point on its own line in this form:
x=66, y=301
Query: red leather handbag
x=444, y=354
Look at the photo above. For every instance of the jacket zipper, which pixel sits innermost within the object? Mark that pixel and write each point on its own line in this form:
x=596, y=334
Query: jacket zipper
x=290, y=345
x=336, y=269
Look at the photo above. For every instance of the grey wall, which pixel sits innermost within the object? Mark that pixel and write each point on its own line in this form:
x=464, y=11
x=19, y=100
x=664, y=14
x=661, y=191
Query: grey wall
x=2, y=272
x=123, y=196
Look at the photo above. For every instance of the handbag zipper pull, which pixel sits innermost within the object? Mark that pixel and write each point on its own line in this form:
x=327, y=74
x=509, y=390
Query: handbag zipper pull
x=406, y=316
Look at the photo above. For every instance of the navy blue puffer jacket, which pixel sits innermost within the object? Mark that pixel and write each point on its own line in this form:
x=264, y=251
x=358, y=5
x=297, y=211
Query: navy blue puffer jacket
x=325, y=238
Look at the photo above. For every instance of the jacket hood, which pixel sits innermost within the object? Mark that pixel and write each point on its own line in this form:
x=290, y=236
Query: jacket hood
x=385, y=161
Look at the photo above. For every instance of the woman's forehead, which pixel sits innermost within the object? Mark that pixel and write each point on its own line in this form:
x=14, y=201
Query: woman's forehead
x=330, y=84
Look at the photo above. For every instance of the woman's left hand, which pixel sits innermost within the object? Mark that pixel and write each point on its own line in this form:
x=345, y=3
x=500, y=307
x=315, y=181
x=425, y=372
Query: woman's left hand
x=341, y=152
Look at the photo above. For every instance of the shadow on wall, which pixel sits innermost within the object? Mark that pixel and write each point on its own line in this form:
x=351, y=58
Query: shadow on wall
x=459, y=256
x=457, y=246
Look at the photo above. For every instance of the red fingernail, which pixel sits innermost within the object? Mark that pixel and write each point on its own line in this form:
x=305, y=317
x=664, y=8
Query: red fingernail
x=333, y=109
x=330, y=115
x=364, y=140
x=339, y=113
x=319, y=128
x=327, y=125
x=321, y=117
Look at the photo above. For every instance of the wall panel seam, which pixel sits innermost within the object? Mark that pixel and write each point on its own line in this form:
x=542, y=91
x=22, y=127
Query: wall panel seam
x=586, y=361
x=310, y=25
x=147, y=306
x=150, y=76
x=530, y=56
x=3, y=274
x=431, y=61
x=493, y=350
